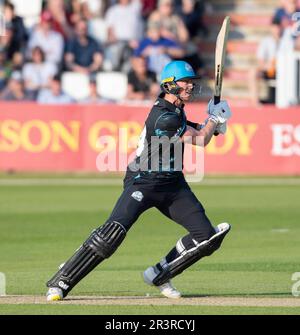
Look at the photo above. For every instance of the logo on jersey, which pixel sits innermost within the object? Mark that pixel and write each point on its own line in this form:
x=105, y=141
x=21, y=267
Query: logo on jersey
x=178, y=111
x=138, y=196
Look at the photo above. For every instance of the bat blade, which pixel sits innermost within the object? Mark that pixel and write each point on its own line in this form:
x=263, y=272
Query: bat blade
x=220, y=56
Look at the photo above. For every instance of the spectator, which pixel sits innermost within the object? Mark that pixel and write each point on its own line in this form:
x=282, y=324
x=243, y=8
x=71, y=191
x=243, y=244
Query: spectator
x=47, y=39
x=19, y=37
x=191, y=14
x=266, y=58
x=15, y=90
x=38, y=72
x=87, y=9
x=142, y=83
x=4, y=70
x=158, y=50
x=17, y=62
x=94, y=97
x=284, y=14
x=13, y=57
x=59, y=19
x=6, y=41
x=125, y=29
x=75, y=11
x=94, y=8
x=148, y=6
x=172, y=26
x=54, y=95
x=83, y=53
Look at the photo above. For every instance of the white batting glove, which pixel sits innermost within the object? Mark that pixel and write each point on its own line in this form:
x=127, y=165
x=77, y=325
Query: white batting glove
x=219, y=113
x=221, y=128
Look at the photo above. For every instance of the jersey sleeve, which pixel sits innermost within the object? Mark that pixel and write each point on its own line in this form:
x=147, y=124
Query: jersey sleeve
x=194, y=125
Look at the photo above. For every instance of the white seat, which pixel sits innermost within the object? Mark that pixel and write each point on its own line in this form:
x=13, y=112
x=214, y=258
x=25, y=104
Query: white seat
x=29, y=10
x=98, y=29
x=76, y=85
x=112, y=85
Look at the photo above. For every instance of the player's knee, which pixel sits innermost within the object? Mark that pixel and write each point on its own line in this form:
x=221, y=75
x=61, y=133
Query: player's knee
x=203, y=235
x=210, y=232
x=211, y=239
x=106, y=239
x=217, y=238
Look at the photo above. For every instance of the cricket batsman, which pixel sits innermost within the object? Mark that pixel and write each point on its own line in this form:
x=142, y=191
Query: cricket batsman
x=164, y=188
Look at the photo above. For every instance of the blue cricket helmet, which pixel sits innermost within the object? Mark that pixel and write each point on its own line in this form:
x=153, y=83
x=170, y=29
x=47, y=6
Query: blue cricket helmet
x=177, y=70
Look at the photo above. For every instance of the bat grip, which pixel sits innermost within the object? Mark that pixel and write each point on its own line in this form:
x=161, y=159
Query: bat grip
x=217, y=99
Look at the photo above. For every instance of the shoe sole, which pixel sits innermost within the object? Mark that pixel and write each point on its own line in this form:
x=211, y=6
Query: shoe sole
x=146, y=280
x=170, y=297
x=55, y=297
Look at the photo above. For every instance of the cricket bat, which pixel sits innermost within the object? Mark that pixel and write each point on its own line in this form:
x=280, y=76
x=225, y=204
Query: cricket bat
x=220, y=56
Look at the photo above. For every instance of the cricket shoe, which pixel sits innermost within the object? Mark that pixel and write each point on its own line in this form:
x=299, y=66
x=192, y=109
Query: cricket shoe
x=222, y=227
x=167, y=289
x=54, y=294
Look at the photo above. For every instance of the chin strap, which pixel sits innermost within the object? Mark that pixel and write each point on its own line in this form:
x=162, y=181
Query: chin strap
x=180, y=100
x=170, y=87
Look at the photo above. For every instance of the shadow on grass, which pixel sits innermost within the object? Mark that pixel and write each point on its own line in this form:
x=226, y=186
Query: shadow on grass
x=269, y=294
x=158, y=296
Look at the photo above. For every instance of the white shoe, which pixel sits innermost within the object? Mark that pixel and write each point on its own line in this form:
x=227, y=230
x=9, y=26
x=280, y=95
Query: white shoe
x=167, y=289
x=54, y=294
x=222, y=227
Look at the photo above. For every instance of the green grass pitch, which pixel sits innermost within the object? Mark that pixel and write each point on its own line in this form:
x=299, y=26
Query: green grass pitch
x=41, y=226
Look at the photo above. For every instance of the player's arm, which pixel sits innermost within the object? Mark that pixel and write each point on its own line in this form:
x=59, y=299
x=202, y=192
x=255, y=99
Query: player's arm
x=201, y=134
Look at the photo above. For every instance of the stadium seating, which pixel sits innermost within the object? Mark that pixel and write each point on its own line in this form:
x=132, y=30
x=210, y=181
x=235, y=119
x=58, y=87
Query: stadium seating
x=76, y=85
x=250, y=22
x=29, y=10
x=112, y=85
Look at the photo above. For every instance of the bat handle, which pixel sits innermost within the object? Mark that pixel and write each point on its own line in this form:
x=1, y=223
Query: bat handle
x=217, y=99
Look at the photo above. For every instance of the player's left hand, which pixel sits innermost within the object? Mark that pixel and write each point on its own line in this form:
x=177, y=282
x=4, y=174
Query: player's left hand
x=219, y=113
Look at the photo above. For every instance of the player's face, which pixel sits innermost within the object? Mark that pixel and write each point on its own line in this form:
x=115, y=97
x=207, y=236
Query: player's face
x=186, y=91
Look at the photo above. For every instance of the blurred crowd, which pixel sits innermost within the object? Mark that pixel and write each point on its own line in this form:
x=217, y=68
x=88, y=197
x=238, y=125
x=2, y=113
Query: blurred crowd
x=284, y=37
x=135, y=37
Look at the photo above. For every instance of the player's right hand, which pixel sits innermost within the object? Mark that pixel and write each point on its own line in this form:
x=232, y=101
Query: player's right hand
x=219, y=113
